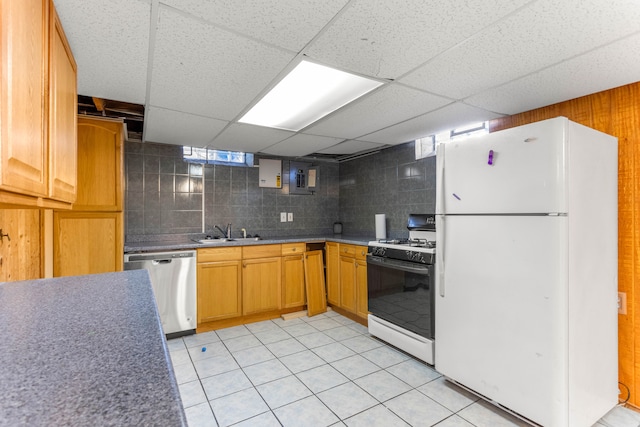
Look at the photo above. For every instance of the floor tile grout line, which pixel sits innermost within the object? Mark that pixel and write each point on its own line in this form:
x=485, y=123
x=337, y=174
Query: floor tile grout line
x=325, y=363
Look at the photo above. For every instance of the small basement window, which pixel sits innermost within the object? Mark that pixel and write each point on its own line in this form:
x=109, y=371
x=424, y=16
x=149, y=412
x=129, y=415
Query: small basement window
x=427, y=146
x=219, y=157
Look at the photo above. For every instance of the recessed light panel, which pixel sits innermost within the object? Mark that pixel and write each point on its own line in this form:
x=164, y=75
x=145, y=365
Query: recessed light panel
x=308, y=93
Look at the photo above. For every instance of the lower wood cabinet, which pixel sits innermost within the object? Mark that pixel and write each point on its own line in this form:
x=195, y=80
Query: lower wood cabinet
x=333, y=273
x=347, y=278
x=314, y=280
x=20, y=256
x=347, y=283
x=362, y=306
x=261, y=278
x=293, y=281
x=219, y=283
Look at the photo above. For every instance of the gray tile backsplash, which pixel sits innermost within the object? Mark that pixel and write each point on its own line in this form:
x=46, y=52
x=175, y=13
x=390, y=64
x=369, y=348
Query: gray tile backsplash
x=166, y=195
x=390, y=182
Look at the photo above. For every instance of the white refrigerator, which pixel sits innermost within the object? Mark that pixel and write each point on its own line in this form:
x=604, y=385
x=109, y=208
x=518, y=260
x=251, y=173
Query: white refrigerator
x=526, y=270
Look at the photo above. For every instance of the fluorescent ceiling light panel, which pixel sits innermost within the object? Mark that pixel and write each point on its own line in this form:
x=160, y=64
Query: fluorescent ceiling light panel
x=308, y=93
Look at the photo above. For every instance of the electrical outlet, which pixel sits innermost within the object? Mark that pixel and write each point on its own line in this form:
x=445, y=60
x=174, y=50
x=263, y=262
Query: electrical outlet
x=283, y=217
x=290, y=217
x=622, y=303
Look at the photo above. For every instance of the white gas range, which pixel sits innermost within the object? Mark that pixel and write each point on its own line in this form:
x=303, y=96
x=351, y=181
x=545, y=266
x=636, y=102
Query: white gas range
x=401, y=289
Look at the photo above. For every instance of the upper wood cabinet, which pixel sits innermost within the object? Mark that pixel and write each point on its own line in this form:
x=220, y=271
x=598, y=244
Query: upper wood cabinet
x=100, y=160
x=63, y=99
x=37, y=107
x=24, y=87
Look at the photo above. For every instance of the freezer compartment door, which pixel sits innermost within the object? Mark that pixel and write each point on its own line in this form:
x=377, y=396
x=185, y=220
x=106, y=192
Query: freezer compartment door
x=501, y=326
x=519, y=170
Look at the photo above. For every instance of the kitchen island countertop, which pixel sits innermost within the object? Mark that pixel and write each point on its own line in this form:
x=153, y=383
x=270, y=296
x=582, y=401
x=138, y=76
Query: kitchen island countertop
x=85, y=350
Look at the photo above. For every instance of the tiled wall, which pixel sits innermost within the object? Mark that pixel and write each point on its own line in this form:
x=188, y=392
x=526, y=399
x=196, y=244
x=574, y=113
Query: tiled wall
x=166, y=195
x=390, y=182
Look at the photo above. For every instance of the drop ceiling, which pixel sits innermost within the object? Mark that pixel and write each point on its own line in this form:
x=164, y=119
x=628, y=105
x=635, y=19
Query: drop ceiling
x=198, y=65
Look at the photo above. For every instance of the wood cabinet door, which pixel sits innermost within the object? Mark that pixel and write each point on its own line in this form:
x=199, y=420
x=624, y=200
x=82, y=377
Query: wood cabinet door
x=333, y=273
x=23, y=74
x=100, y=159
x=314, y=278
x=362, y=306
x=63, y=104
x=20, y=251
x=87, y=243
x=293, y=290
x=219, y=290
x=348, y=283
x=261, y=285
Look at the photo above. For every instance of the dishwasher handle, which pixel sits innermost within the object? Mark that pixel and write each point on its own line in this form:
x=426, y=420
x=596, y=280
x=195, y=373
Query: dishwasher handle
x=161, y=261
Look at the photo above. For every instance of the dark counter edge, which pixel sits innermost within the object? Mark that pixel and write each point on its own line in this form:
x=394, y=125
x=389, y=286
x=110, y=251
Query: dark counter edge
x=186, y=244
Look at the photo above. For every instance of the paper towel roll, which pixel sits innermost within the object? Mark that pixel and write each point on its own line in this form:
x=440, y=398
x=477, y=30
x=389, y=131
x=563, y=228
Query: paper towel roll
x=381, y=226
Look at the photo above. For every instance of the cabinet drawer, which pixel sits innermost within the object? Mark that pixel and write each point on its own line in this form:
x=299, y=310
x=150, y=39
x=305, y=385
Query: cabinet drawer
x=347, y=250
x=293, y=248
x=261, y=251
x=361, y=252
x=231, y=253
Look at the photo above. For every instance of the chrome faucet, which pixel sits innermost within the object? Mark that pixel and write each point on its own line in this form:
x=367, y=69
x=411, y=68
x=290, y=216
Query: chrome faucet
x=226, y=234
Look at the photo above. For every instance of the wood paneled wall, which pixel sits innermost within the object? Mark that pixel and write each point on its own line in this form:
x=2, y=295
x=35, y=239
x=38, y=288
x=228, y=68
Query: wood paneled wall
x=20, y=256
x=616, y=112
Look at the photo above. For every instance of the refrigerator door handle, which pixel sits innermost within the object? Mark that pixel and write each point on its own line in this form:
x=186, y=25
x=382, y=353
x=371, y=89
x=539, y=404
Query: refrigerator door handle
x=440, y=179
x=440, y=228
x=440, y=253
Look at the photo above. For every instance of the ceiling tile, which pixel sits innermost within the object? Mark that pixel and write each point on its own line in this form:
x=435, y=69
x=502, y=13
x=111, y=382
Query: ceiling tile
x=388, y=38
x=612, y=66
x=201, y=69
x=351, y=147
x=505, y=52
x=175, y=127
x=301, y=145
x=271, y=22
x=446, y=118
x=387, y=106
x=248, y=138
x=110, y=42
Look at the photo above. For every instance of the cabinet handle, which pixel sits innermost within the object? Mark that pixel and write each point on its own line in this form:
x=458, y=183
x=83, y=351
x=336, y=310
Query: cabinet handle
x=294, y=249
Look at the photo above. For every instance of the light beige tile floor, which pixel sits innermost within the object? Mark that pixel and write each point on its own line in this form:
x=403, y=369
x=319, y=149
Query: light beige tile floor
x=323, y=371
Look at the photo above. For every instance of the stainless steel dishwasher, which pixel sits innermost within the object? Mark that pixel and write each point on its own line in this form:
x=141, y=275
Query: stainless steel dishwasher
x=173, y=278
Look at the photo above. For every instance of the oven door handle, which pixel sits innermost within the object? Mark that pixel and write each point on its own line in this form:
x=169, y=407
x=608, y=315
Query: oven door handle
x=410, y=267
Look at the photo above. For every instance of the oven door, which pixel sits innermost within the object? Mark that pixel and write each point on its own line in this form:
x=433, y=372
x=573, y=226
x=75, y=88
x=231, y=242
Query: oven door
x=402, y=293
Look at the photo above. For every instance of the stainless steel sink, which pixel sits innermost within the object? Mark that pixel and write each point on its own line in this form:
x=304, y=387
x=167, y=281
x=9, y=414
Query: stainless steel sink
x=224, y=240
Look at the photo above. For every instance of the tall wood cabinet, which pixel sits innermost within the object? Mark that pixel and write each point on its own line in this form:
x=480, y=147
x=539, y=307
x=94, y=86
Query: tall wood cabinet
x=90, y=238
x=38, y=102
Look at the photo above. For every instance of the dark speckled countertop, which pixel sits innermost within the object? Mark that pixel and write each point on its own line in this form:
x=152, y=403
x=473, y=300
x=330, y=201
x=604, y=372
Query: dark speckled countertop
x=85, y=350
x=184, y=243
